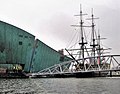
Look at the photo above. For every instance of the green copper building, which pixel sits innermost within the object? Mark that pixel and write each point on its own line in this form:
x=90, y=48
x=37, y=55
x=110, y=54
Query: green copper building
x=18, y=47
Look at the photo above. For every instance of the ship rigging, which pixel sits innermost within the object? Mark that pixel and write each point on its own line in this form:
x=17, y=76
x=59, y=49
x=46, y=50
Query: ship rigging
x=88, y=60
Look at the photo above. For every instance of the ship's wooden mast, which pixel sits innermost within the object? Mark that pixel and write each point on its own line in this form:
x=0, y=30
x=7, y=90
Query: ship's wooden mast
x=82, y=43
x=93, y=45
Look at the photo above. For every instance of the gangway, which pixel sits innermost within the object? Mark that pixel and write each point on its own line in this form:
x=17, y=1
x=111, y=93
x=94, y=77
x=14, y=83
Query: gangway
x=108, y=64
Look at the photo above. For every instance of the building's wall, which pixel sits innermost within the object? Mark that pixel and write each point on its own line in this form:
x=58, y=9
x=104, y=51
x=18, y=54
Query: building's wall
x=2, y=43
x=44, y=57
x=16, y=45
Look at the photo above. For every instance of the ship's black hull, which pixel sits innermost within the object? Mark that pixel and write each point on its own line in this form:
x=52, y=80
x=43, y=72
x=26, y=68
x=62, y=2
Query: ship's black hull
x=75, y=74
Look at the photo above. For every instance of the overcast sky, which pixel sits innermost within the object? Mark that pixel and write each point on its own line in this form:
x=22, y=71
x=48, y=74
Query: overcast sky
x=50, y=20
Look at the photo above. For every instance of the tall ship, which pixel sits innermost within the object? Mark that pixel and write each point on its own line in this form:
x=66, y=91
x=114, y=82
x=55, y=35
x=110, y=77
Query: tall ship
x=89, y=57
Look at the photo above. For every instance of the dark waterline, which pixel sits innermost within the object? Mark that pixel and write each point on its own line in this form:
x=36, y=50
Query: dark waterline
x=60, y=86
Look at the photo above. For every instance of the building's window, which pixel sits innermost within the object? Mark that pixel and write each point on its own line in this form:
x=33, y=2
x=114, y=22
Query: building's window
x=20, y=35
x=20, y=42
x=26, y=36
x=29, y=44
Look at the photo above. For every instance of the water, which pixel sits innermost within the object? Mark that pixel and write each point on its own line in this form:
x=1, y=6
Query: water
x=60, y=86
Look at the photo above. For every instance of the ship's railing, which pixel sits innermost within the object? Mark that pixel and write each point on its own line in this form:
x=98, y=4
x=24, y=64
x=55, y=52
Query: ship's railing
x=106, y=62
